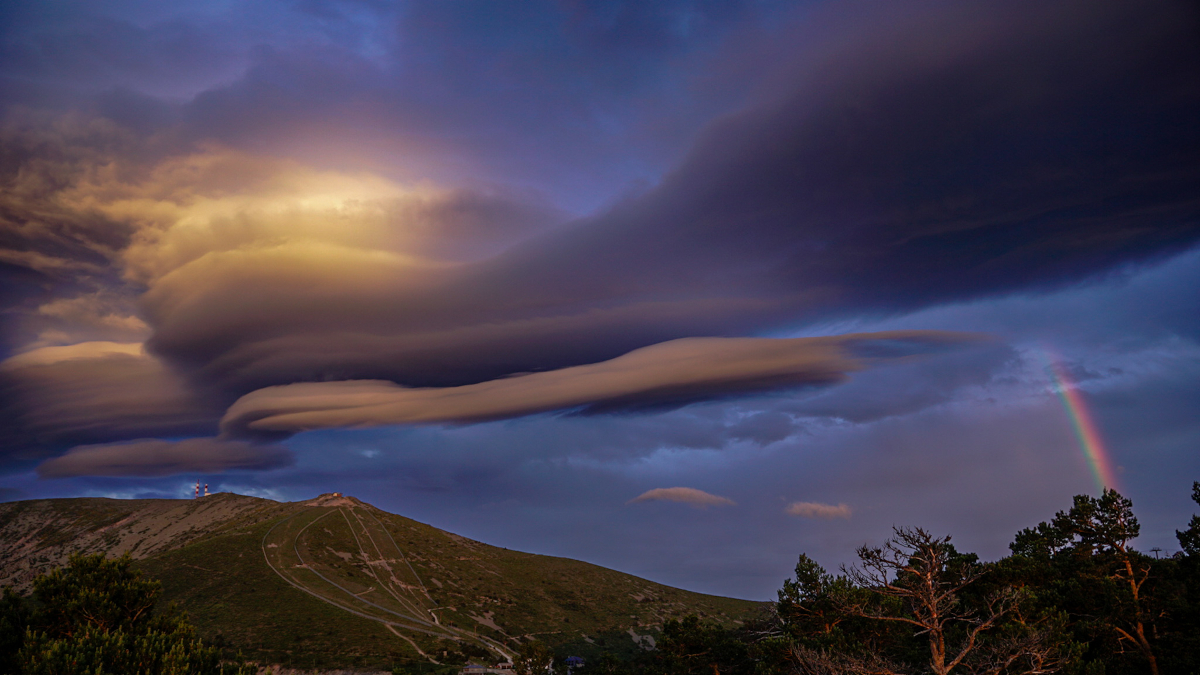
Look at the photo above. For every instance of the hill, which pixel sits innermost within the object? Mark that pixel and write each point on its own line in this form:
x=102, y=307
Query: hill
x=334, y=582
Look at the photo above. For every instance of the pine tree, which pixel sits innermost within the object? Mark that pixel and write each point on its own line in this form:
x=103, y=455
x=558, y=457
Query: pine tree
x=96, y=616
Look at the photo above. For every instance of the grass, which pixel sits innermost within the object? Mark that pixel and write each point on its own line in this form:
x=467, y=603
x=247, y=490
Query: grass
x=236, y=601
x=384, y=567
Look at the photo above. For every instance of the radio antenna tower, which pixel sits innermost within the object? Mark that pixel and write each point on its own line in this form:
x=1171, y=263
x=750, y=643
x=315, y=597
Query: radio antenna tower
x=197, y=489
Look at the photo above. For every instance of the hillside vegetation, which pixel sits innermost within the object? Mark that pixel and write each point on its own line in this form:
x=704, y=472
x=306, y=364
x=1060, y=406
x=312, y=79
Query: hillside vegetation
x=334, y=582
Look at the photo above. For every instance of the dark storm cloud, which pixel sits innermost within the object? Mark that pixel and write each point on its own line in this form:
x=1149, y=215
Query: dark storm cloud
x=969, y=152
x=153, y=457
x=954, y=152
x=906, y=159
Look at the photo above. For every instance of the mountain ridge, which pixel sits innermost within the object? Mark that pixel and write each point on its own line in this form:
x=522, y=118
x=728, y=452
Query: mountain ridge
x=335, y=582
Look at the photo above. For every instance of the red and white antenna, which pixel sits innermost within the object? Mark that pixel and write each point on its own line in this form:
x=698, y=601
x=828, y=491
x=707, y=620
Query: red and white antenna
x=197, y=489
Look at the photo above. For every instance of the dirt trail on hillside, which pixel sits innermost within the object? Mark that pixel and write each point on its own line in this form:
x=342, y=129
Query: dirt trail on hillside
x=396, y=596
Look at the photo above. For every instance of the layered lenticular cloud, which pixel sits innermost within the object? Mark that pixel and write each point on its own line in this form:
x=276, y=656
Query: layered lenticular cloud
x=55, y=397
x=683, y=495
x=671, y=373
x=903, y=160
x=153, y=457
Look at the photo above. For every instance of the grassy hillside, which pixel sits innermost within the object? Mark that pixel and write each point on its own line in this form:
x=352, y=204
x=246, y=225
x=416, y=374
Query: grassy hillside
x=333, y=582
x=40, y=534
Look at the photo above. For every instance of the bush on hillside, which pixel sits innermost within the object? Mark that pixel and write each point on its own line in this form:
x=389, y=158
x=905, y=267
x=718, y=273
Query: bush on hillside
x=97, y=616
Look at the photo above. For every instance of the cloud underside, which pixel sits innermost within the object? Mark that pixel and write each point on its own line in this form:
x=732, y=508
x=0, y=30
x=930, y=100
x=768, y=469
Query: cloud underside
x=671, y=373
x=685, y=495
x=818, y=510
x=154, y=457
x=93, y=392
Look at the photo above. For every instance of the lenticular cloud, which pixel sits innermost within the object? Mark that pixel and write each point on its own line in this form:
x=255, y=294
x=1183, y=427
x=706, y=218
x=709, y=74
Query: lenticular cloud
x=685, y=495
x=674, y=372
x=154, y=457
x=818, y=510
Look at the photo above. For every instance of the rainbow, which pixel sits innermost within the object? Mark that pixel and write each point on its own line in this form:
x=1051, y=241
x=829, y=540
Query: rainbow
x=1086, y=430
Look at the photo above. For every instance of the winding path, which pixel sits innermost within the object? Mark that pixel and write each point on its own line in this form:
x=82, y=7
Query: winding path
x=396, y=620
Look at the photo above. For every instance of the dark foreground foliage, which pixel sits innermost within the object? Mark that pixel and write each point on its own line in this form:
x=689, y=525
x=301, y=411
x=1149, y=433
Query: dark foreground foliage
x=96, y=616
x=1074, y=597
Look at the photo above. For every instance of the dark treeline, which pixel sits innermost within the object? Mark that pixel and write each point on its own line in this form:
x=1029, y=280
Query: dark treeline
x=1074, y=597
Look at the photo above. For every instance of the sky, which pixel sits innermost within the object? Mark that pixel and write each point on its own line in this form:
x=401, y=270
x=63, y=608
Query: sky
x=684, y=289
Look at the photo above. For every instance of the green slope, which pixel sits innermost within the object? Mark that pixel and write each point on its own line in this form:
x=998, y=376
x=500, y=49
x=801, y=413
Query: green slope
x=333, y=582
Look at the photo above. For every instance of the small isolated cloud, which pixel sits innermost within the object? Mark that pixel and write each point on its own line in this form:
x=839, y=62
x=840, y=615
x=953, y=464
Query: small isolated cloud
x=818, y=510
x=155, y=457
x=697, y=498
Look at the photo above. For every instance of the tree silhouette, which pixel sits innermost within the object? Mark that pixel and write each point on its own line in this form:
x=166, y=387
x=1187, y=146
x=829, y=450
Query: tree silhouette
x=1101, y=528
x=917, y=580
